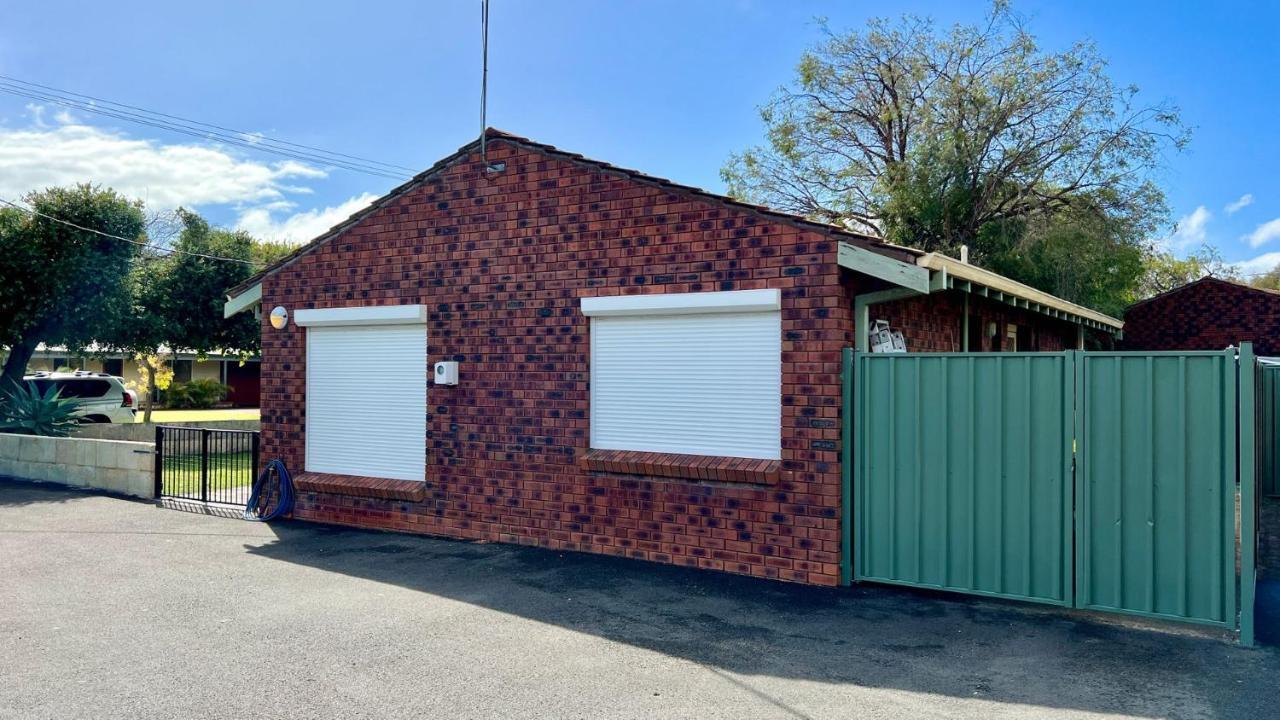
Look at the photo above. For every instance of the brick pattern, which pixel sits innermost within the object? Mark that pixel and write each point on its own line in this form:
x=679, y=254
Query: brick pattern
x=935, y=323
x=690, y=467
x=381, y=488
x=502, y=262
x=1209, y=314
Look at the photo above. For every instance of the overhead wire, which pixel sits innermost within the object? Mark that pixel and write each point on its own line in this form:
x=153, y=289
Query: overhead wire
x=198, y=129
x=139, y=243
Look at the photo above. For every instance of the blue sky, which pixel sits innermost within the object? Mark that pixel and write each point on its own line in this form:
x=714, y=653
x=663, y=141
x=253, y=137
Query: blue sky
x=670, y=88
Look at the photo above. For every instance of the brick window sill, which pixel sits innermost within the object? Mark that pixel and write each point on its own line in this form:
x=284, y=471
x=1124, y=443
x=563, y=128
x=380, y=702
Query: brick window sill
x=365, y=487
x=684, y=467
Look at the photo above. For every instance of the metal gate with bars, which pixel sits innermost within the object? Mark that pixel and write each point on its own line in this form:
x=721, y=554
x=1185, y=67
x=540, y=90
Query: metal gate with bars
x=1099, y=480
x=205, y=465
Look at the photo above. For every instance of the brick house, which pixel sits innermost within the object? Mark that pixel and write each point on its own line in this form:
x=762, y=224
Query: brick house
x=1208, y=314
x=644, y=369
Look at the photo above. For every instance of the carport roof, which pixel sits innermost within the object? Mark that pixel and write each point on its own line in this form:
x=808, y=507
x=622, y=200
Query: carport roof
x=933, y=272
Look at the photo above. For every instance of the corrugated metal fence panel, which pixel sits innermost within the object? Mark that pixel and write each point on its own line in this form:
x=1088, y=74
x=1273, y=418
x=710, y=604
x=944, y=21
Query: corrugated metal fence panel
x=963, y=473
x=1268, y=430
x=1156, y=485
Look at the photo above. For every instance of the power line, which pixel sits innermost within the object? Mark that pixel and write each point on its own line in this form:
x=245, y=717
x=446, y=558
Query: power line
x=194, y=132
x=256, y=137
x=195, y=128
x=139, y=243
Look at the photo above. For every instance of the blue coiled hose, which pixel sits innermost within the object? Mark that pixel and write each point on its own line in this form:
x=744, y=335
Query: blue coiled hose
x=286, y=493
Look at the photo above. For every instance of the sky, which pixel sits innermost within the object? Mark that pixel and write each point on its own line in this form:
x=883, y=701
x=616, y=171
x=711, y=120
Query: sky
x=669, y=88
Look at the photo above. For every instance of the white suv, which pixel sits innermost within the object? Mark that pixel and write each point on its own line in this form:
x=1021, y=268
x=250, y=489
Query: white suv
x=103, y=398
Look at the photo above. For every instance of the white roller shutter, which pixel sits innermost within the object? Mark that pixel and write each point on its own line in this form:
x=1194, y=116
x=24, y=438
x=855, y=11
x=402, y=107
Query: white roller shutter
x=698, y=384
x=367, y=401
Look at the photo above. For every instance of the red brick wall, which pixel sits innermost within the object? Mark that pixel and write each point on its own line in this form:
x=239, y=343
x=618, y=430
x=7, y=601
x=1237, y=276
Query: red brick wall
x=1206, y=315
x=501, y=264
x=935, y=323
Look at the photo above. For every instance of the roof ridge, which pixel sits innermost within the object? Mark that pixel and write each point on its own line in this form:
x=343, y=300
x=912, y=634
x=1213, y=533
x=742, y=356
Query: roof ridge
x=491, y=133
x=1206, y=278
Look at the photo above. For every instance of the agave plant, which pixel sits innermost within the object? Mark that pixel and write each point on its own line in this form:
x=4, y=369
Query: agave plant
x=26, y=411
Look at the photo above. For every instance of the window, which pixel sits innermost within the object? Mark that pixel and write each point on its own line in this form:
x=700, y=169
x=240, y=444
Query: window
x=182, y=371
x=688, y=373
x=76, y=388
x=1011, y=338
x=113, y=366
x=362, y=423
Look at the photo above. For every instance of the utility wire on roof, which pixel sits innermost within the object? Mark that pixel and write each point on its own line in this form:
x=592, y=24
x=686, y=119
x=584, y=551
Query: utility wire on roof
x=139, y=243
x=195, y=128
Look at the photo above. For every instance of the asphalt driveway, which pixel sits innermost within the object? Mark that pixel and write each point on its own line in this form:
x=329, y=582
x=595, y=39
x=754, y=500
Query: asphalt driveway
x=112, y=608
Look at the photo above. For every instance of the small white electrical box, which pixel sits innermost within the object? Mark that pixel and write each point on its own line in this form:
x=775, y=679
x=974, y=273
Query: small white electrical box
x=446, y=372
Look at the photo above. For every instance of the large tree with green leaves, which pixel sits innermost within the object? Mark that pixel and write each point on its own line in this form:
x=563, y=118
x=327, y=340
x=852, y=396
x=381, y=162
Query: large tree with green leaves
x=971, y=135
x=177, y=294
x=60, y=284
x=1164, y=271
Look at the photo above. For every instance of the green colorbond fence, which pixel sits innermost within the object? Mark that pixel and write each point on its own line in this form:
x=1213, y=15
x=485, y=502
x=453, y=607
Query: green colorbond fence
x=968, y=462
x=962, y=478
x=1156, y=481
x=1269, y=429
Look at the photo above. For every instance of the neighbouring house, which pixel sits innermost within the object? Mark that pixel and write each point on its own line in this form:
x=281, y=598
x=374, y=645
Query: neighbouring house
x=1208, y=314
x=643, y=369
x=241, y=376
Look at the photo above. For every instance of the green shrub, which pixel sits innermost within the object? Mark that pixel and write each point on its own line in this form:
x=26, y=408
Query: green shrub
x=25, y=411
x=196, y=395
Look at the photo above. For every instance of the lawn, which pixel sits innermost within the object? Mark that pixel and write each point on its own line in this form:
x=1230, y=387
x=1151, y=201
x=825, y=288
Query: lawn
x=171, y=416
x=227, y=471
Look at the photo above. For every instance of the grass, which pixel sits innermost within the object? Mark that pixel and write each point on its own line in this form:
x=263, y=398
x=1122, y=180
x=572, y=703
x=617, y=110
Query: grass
x=169, y=416
x=226, y=471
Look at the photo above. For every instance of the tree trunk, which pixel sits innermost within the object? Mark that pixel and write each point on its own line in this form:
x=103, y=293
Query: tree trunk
x=15, y=366
x=151, y=390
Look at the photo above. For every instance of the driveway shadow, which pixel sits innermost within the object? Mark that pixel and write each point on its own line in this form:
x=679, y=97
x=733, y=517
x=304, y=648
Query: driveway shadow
x=870, y=636
x=18, y=492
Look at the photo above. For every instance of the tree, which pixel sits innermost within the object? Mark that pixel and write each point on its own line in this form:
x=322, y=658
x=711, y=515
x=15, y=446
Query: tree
x=1269, y=280
x=937, y=139
x=195, y=285
x=1163, y=271
x=267, y=252
x=176, y=296
x=1079, y=252
x=60, y=284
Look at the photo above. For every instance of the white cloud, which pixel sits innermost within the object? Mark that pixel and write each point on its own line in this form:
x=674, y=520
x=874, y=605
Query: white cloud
x=303, y=226
x=164, y=176
x=1190, y=230
x=1245, y=201
x=1258, y=265
x=1264, y=233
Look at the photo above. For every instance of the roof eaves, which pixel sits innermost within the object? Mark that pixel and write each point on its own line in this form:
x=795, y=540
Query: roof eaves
x=997, y=282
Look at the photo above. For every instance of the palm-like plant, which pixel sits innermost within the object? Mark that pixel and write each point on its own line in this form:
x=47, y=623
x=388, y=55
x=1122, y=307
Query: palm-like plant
x=26, y=411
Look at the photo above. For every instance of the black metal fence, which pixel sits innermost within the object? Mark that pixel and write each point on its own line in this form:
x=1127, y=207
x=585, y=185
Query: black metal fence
x=212, y=466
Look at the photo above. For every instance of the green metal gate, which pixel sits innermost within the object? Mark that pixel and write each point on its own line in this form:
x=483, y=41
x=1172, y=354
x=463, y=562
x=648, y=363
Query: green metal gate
x=1155, y=489
x=1096, y=480
x=965, y=464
